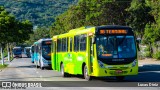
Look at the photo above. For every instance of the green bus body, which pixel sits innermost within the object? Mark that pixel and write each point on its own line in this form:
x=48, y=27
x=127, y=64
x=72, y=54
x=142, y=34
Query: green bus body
x=78, y=48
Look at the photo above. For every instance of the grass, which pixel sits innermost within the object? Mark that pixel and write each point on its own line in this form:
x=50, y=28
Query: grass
x=3, y=66
x=12, y=58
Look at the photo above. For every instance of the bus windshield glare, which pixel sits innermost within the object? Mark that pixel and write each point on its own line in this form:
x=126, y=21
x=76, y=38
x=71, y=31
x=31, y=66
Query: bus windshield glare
x=115, y=46
x=46, y=51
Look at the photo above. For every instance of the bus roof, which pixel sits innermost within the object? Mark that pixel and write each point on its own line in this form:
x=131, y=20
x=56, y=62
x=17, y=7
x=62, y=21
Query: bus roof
x=27, y=47
x=43, y=39
x=16, y=47
x=36, y=42
x=63, y=35
x=82, y=30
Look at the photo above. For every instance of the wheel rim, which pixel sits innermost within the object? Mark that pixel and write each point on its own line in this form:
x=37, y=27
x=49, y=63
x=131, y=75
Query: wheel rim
x=40, y=65
x=85, y=73
x=62, y=70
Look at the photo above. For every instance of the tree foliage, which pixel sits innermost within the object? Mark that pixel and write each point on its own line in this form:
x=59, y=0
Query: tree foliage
x=39, y=12
x=40, y=32
x=91, y=13
x=139, y=16
x=152, y=30
x=12, y=30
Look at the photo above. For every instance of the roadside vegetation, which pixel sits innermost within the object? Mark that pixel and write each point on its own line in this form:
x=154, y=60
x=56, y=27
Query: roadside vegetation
x=12, y=31
x=3, y=66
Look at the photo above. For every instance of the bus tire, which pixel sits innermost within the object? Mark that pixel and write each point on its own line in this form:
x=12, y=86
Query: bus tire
x=42, y=68
x=62, y=71
x=120, y=78
x=85, y=74
x=37, y=65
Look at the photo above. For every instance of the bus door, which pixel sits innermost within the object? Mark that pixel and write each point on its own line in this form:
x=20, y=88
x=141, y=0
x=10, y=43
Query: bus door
x=90, y=47
x=54, y=60
x=91, y=52
x=39, y=53
x=70, y=60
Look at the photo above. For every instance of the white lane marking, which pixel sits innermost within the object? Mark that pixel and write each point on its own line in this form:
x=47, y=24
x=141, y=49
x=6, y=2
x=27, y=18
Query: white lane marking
x=40, y=76
x=44, y=79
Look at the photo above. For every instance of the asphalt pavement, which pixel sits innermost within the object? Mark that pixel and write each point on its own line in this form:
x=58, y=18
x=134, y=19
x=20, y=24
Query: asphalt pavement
x=21, y=69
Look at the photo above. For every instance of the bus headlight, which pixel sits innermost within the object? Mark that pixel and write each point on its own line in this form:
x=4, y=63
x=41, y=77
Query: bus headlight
x=134, y=63
x=101, y=64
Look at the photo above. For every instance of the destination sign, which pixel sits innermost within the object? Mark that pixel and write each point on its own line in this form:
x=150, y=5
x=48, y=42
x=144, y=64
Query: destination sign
x=114, y=31
x=47, y=42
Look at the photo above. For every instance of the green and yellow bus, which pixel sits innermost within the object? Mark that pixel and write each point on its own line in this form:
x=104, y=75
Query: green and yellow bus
x=96, y=51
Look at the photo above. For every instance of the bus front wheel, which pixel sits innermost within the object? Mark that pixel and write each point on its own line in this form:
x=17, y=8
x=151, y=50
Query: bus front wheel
x=85, y=74
x=37, y=65
x=42, y=68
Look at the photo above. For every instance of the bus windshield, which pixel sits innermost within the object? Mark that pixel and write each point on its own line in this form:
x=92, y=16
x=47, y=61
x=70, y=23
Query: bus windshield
x=115, y=46
x=17, y=50
x=32, y=49
x=27, y=50
x=46, y=51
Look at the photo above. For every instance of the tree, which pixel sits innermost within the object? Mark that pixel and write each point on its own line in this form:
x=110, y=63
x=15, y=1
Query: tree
x=140, y=16
x=40, y=32
x=152, y=30
x=12, y=30
x=5, y=21
x=91, y=13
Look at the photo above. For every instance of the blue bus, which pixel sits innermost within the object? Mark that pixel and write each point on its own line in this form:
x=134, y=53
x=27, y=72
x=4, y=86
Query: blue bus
x=17, y=52
x=27, y=51
x=42, y=53
x=32, y=53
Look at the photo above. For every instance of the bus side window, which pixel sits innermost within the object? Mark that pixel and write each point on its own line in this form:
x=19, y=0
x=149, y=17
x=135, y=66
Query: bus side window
x=52, y=46
x=76, y=43
x=82, y=43
x=67, y=45
x=59, y=45
x=70, y=44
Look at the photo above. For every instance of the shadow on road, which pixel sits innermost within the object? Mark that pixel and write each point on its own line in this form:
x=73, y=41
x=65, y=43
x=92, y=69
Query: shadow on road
x=150, y=67
x=26, y=57
x=29, y=66
x=106, y=79
x=147, y=73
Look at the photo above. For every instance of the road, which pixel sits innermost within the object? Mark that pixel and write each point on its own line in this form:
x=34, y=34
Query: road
x=22, y=69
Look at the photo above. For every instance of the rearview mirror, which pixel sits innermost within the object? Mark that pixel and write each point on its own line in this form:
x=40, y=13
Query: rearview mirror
x=138, y=41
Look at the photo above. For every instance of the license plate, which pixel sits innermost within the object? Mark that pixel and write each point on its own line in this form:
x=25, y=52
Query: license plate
x=118, y=71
